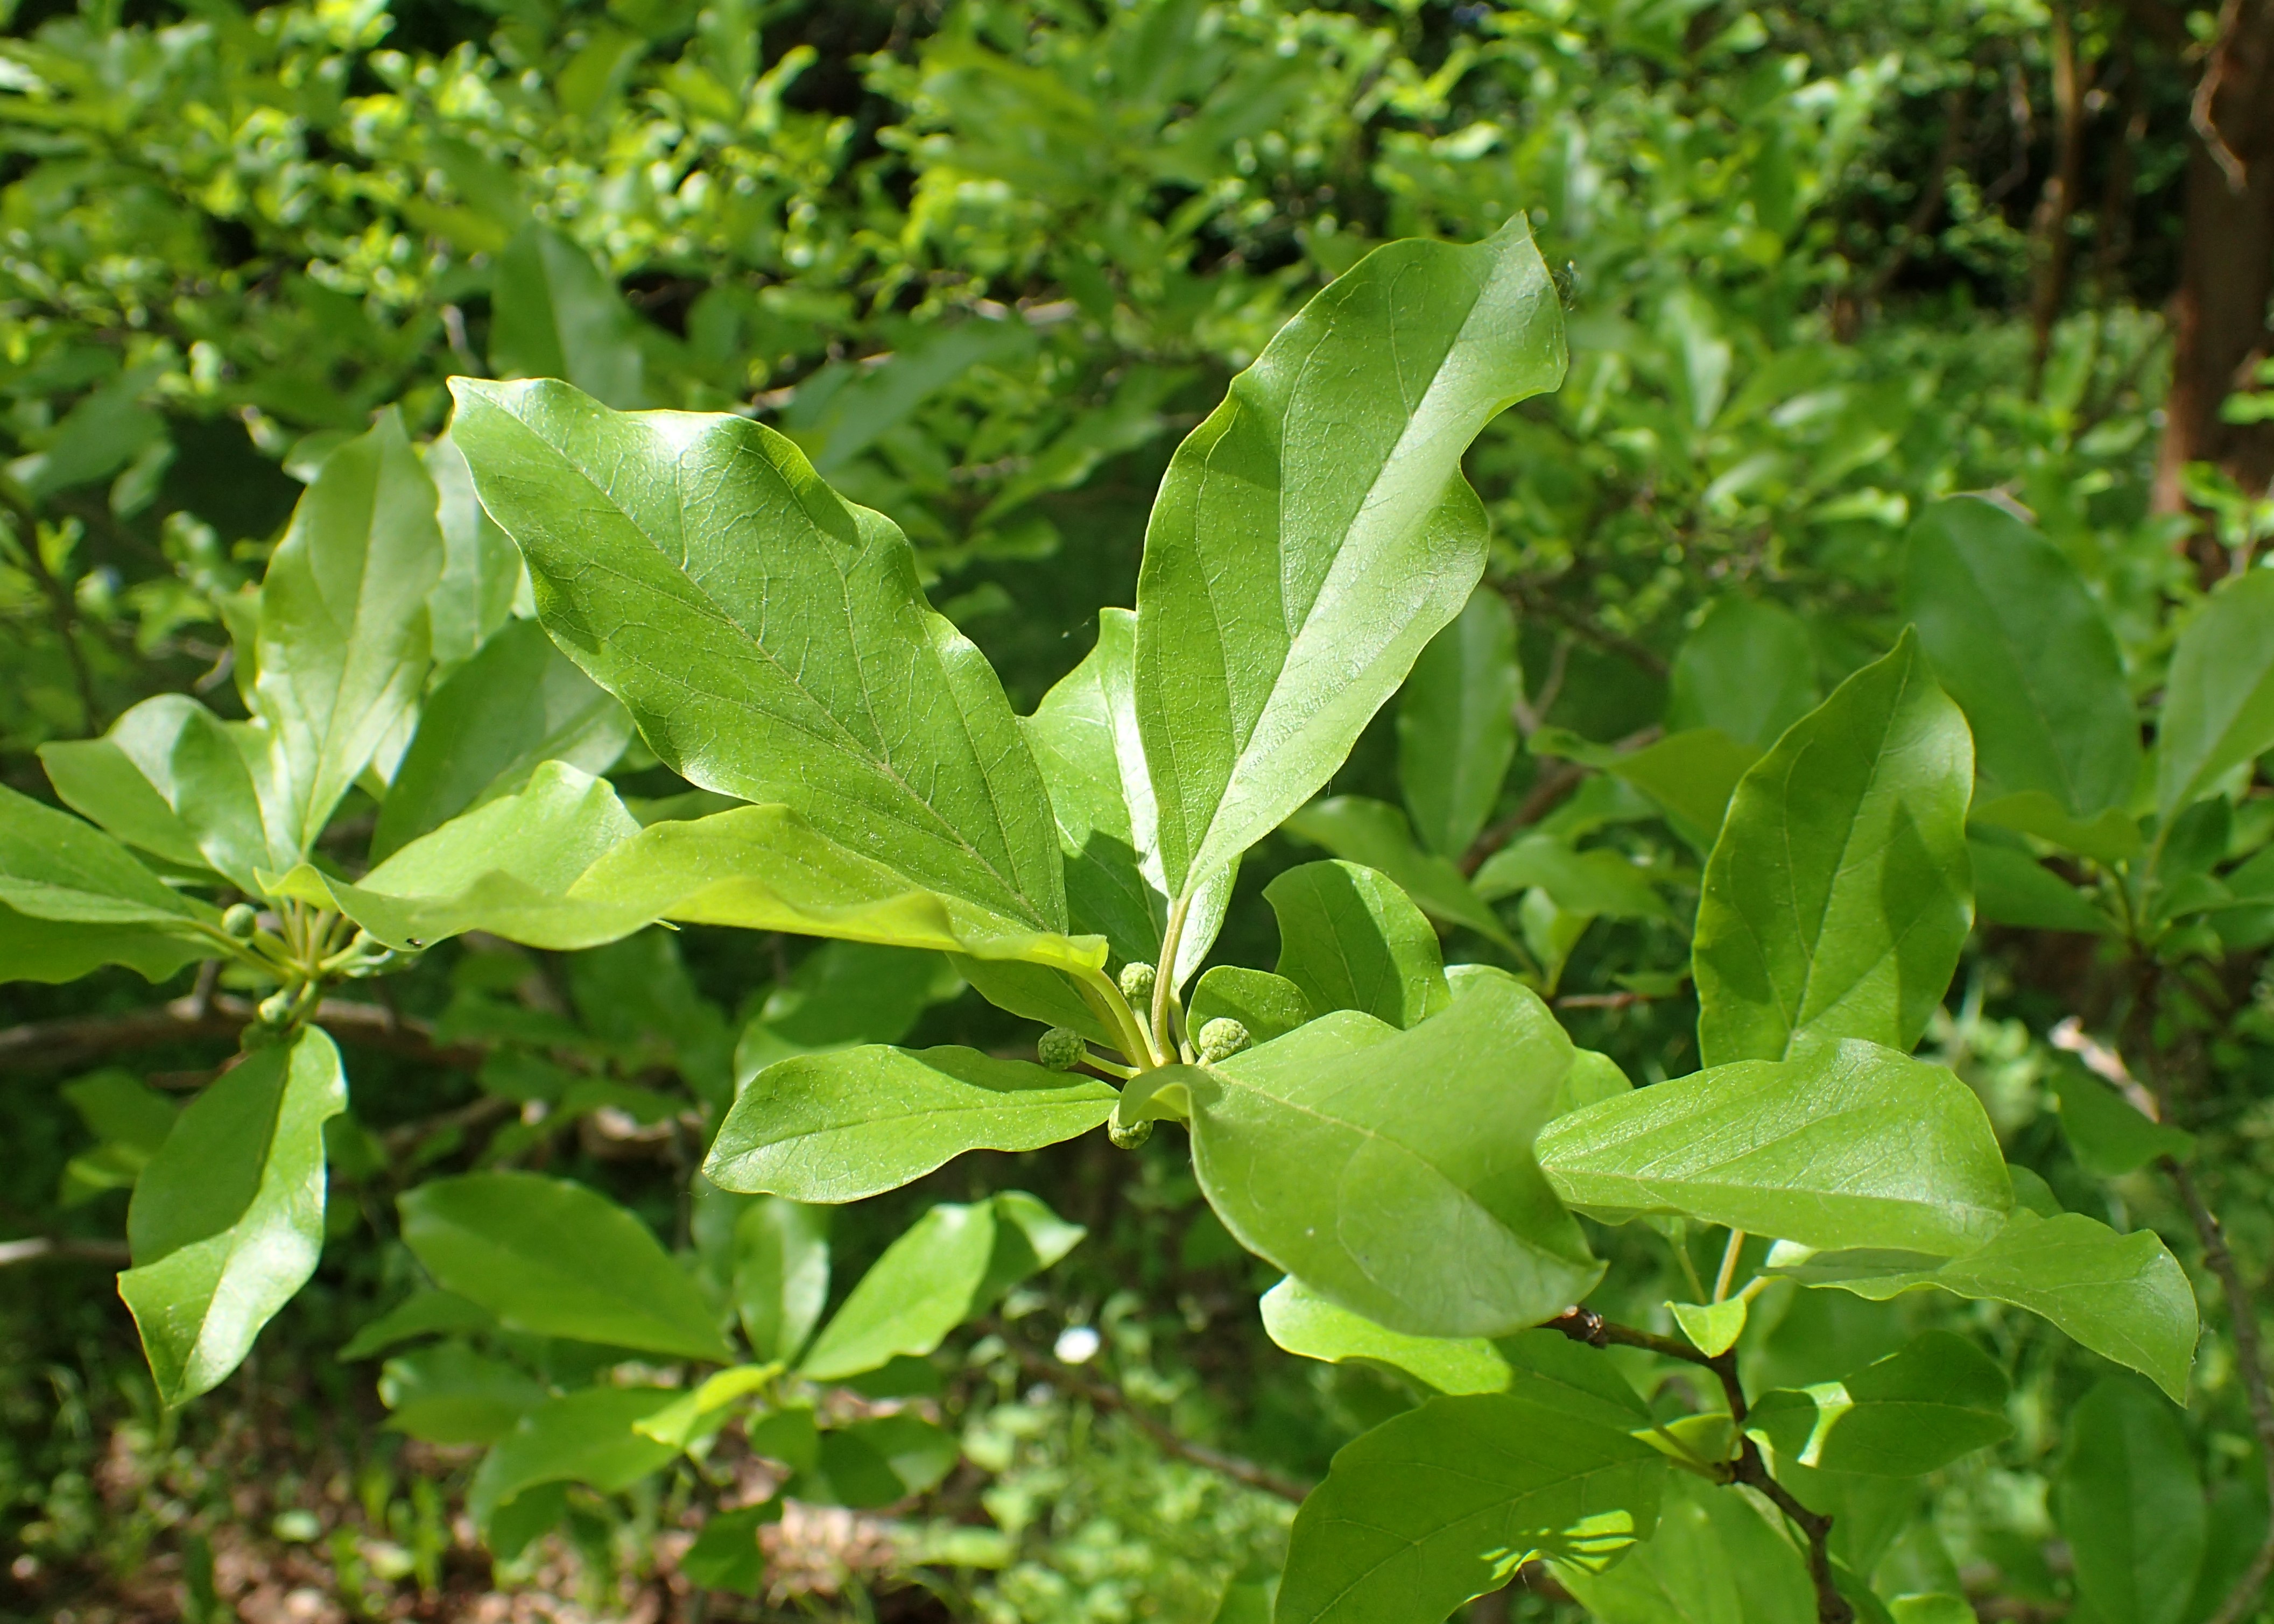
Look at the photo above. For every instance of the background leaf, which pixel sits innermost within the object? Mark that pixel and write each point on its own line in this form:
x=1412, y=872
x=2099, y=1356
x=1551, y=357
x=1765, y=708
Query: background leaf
x=2127, y=1499
x=2218, y=701
x=1349, y=939
x=1747, y=670
x=1457, y=724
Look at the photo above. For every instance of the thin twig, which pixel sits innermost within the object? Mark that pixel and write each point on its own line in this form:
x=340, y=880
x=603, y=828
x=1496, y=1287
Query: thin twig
x=1108, y=1397
x=78, y=1040
x=42, y=1246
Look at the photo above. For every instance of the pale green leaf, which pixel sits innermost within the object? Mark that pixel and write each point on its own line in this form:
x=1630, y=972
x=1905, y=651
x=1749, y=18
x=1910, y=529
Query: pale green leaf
x=921, y=1289
x=518, y=703
x=2113, y=836
x=1315, y=532
x=1713, y=1328
x=1456, y=725
x=847, y=1125
x=423, y=1313
x=2218, y=701
x=1747, y=670
x=1375, y=834
x=1268, y=1005
x=780, y=1274
x=1839, y=893
x=1602, y=882
x=54, y=951
x=54, y=866
x=342, y=643
x=2019, y=643
x=1301, y=1322
x=1689, y=776
x=1849, y=1145
x=1445, y=1503
x=2110, y=1137
x=481, y=569
x=1350, y=939
x=769, y=638
x=227, y=1220
x=552, y=1256
x=1392, y=1172
x=2127, y=1499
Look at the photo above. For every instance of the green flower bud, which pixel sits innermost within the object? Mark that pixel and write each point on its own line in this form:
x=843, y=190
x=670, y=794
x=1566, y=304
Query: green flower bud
x=1130, y=1136
x=1061, y=1049
x=276, y=1008
x=1221, y=1039
x=240, y=921
x=1137, y=983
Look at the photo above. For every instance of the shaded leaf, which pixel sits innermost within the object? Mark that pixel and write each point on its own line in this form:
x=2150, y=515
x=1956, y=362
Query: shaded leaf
x=1456, y=725
x=1747, y=670
x=1350, y=939
x=2126, y=1497
x=1375, y=834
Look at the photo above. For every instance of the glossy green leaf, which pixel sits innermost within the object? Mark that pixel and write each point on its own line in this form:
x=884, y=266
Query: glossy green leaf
x=1457, y=725
x=1315, y=532
x=558, y=315
x=518, y=703
x=449, y=1393
x=176, y=780
x=344, y=640
x=1747, y=670
x=2218, y=701
x=54, y=866
x=780, y=1274
x=1392, y=1172
x=1268, y=1005
x=1601, y=882
x=1838, y=894
x=2125, y=1296
x=1375, y=834
x=2110, y=1137
x=1716, y=1559
x=1713, y=1328
x=581, y=1437
x=921, y=1289
x=1935, y=1399
x=552, y=1256
x=227, y=1220
x=481, y=568
x=1350, y=939
x=2018, y=643
x=849, y=1124
x=52, y=951
x=2127, y=1499
x=692, y=564
x=1301, y=1322
x=1445, y=1503
x=1085, y=740
x=1851, y=1145
x=2013, y=888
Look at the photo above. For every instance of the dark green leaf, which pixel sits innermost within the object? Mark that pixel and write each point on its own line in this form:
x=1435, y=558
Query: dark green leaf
x=1457, y=725
x=780, y=1274
x=1314, y=533
x=54, y=866
x=1838, y=894
x=449, y=1393
x=1602, y=882
x=1747, y=670
x=583, y=1437
x=2110, y=1137
x=1851, y=1145
x=51, y=950
x=921, y=1289
x=2013, y=888
x=1715, y=1559
x=2218, y=702
x=1375, y=834
x=423, y=1313
x=1920, y=1408
x=558, y=315
x=2129, y=1501
x=876, y=1462
x=1350, y=939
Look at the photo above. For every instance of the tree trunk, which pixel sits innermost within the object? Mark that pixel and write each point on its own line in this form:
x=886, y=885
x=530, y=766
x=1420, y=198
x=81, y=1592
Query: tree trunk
x=2226, y=270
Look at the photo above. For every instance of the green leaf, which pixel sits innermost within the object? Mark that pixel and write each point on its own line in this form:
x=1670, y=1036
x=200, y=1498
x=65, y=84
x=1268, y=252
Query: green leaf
x=2112, y=838
x=2013, y=888
x=1085, y=740
x=2129, y=1501
x=1838, y=896
x=690, y=564
x=176, y=780
x=1315, y=532
x=2218, y=701
x=555, y=315
x=1350, y=939
x=554, y=1257
x=2110, y=1137
x=841, y=410
x=1392, y=1172
x=54, y=951
x=1443, y=1503
x=481, y=568
x=343, y=641
x=1457, y=725
x=422, y=1313
x=54, y=866
x=780, y=1274
x=1603, y=882
x=921, y=1289
x=507, y=866
x=1922, y=1407
x=1851, y=1144
x=1268, y=1005
x=518, y=703
x=842, y=993
x=227, y=1220
x=1747, y=670
x=2125, y=1296
x=2018, y=642
x=449, y=1393
x=1301, y=1322
x=1713, y=1328
x=1689, y=775
x=726, y=1555
x=1714, y=1560
x=583, y=1437
x=703, y=1410
x=1375, y=834
x=849, y=1124
x=877, y=1462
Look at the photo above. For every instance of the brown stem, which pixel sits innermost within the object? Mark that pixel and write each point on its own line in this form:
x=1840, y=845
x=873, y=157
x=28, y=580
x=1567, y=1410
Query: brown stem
x=2055, y=245
x=1105, y=1397
x=1584, y=1325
